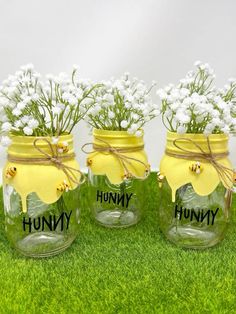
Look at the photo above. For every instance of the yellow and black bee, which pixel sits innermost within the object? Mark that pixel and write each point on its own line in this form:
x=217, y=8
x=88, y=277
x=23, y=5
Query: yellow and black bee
x=147, y=170
x=160, y=176
x=10, y=172
x=63, y=187
x=89, y=162
x=196, y=167
x=127, y=176
x=62, y=147
x=234, y=178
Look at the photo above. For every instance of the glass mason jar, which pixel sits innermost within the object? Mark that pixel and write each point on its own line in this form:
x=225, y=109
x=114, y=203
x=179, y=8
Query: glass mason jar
x=118, y=168
x=195, y=201
x=40, y=196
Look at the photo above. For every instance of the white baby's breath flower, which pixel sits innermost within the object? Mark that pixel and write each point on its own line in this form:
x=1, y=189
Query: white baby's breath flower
x=130, y=131
x=111, y=115
x=36, y=75
x=181, y=129
x=3, y=118
x=27, y=99
x=138, y=133
x=134, y=127
x=128, y=105
x=16, y=112
x=56, y=110
x=50, y=76
x=97, y=108
x=5, y=141
x=21, y=105
x=109, y=98
x=27, y=67
x=226, y=129
x=209, y=129
x=6, y=127
x=27, y=130
x=197, y=63
x=25, y=119
x=162, y=94
x=134, y=116
x=72, y=100
x=54, y=140
x=124, y=124
x=75, y=67
x=35, y=96
x=33, y=123
x=18, y=124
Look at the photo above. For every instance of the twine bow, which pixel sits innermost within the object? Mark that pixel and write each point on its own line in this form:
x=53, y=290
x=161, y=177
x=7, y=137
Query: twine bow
x=119, y=152
x=51, y=158
x=225, y=174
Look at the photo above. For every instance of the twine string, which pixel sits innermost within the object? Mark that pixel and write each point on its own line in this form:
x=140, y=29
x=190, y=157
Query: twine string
x=119, y=152
x=51, y=158
x=225, y=174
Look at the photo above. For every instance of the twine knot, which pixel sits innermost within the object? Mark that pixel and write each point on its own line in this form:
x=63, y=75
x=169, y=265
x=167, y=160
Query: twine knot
x=119, y=152
x=226, y=174
x=51, y=158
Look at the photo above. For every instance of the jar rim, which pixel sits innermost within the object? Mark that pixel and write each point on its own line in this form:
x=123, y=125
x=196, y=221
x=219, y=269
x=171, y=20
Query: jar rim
x=198, y=136
x=114, y=133
x=30, y=138
x=24, y=145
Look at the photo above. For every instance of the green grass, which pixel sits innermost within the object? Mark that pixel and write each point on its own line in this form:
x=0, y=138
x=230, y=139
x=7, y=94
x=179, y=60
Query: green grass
x=132, y=270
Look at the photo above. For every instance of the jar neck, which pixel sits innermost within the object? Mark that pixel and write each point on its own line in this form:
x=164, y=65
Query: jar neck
x=121, y=139
x=191, y=142
x=25, y=146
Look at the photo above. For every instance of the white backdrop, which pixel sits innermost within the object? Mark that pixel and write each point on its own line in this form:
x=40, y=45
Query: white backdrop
x=152, y=39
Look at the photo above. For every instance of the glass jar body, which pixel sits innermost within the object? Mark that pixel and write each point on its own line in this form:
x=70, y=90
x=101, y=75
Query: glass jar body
x=45, y=229
x=194, y=221
x=115, y=205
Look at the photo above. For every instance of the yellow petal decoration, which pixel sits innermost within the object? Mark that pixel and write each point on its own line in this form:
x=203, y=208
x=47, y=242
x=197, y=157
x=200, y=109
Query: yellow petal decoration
x=176, y=170
x=43, y=179
x=107, y=163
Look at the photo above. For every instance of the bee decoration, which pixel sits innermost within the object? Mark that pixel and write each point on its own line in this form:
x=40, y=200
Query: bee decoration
x=196, y=167
x=234, y=178
x=63, y=187
x=62, y=147
x=160, y=176
x=10, y=172
x=147, y=170
x=127, y=176
x=89, y=162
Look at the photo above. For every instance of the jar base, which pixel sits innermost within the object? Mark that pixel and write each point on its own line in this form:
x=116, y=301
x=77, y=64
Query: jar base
x=116, y=218
x=187, y=237
x=43, y=244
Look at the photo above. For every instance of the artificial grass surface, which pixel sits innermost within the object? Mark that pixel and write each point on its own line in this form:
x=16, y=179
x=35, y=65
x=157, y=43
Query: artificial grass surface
x=133, y=270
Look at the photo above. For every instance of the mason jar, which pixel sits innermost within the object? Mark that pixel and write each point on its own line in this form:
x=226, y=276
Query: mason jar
x=118, y=169
x=41, y=195
x=195, y=193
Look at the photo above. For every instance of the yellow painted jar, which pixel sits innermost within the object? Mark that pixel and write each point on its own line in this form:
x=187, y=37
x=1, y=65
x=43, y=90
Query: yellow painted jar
x=41, y=192
x=195, y=182
x=118, y=167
